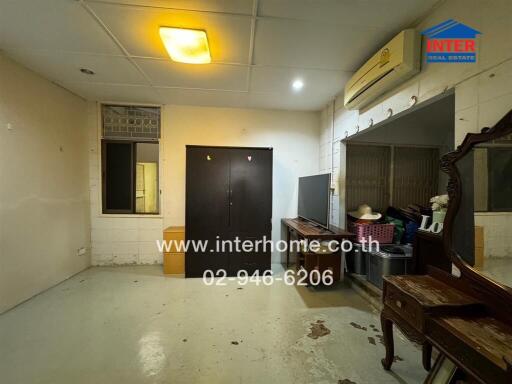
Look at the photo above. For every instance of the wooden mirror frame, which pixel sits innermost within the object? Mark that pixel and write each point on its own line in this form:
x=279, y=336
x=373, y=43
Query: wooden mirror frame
x=471, y=278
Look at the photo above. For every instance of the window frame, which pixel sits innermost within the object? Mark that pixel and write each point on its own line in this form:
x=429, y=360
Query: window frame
x=132, y=210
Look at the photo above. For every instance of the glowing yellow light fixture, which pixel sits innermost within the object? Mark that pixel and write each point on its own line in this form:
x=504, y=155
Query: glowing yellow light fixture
x=186, y=45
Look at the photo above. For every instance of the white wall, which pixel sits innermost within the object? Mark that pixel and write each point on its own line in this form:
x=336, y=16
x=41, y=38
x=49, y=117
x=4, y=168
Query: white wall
x=44, y=194
x=496, y=233
x=483, y=90
x=117, y=239
x=293, y=135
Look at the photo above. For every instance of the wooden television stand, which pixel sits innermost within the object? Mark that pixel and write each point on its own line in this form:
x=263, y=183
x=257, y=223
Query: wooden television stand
x=307, y=230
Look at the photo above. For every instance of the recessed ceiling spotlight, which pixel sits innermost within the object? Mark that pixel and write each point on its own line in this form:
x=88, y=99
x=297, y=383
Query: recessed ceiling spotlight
x=297, y=85
x=87, y=71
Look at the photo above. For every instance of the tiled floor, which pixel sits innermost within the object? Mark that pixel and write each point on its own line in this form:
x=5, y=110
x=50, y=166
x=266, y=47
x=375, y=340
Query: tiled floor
x=133, y=325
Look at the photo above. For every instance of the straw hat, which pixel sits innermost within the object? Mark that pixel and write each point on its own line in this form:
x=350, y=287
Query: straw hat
x=364, y=212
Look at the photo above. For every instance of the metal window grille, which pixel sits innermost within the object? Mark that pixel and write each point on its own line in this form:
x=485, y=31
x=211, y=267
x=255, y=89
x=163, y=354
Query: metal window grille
x=125, y=122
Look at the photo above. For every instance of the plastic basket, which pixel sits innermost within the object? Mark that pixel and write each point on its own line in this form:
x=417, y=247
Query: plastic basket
x=383, y=233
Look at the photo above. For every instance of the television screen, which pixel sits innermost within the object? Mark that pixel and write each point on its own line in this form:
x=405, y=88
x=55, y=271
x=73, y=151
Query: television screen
x=314, y=198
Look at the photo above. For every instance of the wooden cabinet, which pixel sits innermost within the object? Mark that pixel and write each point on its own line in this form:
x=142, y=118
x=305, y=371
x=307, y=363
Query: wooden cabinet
x=174, y=260
x=228, y=200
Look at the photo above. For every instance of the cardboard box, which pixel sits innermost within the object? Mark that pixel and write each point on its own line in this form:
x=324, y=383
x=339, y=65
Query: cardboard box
x=479, y=257
x=479, y=247
x=479, y=236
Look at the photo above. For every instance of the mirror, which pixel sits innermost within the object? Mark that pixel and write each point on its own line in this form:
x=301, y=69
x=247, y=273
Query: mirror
x=481, y=186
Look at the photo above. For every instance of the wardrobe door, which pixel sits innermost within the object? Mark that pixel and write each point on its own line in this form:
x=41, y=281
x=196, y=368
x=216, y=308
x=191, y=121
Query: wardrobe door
x=207, y=207
x=251, y=206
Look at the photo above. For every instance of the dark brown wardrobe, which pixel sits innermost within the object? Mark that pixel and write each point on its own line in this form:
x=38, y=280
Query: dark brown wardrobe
x=228, y=196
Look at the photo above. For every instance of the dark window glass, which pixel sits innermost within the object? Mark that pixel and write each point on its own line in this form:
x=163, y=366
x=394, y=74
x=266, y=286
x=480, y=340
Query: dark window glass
x=130, y=177
x=118, y=177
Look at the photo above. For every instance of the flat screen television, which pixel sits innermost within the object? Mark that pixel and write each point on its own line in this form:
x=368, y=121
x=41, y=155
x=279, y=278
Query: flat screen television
x=314, y=198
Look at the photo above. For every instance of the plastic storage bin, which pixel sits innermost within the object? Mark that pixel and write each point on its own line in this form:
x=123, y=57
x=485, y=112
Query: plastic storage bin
x=390, y=260
x=356, y=260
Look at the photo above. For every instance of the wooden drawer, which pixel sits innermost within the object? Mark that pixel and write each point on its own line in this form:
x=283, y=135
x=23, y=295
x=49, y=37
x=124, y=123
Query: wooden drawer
x=174, y=263
x=406, y=307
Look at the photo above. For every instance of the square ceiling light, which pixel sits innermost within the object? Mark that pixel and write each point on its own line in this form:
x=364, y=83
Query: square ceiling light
x=186, y=45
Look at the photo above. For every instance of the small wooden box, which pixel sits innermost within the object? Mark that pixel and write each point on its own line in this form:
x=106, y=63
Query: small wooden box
x=174, y=261
x=174, y=235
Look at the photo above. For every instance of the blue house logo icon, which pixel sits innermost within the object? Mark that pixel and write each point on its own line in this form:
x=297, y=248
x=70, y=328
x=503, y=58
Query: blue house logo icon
x=451, y=42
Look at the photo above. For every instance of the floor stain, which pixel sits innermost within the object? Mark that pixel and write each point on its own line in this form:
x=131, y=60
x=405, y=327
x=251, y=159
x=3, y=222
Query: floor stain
x=381, y=339
x=357, y=326
x=318, y=329
x=346, y=381
x=184, y=340
x=239, y=288
x=371, y=340
x=234, y=342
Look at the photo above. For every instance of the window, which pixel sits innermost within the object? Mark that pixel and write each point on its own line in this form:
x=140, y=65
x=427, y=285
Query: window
x=130, y=159
x=384, y=175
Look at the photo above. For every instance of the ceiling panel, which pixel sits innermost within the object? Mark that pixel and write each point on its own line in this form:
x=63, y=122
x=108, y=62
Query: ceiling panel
x=172, y=74
x=279, y=79
x=138, y=30
x=231, y=6
x=52, y=25
x=381, y=13
x=313, y=45
x=203, y=98
x=113, y=92
x=65, y=66
x=302, y=101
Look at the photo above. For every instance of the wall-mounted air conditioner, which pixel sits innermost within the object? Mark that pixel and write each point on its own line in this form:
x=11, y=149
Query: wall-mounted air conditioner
x=397, y=61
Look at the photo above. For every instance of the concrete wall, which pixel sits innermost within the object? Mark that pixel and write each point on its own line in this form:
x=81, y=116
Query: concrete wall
x=483, y=90
x=44, y=216
x=293, y=135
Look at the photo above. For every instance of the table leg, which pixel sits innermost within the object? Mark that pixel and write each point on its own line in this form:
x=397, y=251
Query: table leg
x=427, y=355
x=387, y=331
x=287, y=247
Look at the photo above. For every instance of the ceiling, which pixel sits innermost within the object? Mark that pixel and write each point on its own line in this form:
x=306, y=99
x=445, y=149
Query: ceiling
x=258, y=47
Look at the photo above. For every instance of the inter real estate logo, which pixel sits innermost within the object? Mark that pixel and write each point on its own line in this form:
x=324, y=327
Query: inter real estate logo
x=451, y=42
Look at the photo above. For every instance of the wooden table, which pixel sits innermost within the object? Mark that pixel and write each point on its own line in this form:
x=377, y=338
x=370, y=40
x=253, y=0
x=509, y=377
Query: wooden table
x=305, y=229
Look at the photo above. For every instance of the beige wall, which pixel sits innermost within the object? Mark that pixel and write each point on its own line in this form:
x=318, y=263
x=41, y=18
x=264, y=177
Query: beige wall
x=483, y=90
x=293, y=135
x=44, y=191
